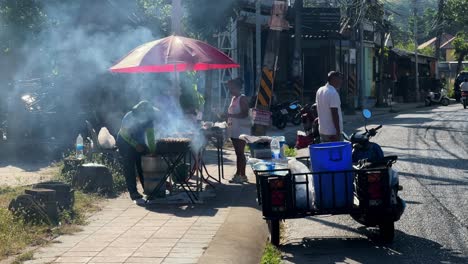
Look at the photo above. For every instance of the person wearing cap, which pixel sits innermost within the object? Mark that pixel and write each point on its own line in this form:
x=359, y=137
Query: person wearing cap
x=136, y=137
x=238, y=124
x=329, y=108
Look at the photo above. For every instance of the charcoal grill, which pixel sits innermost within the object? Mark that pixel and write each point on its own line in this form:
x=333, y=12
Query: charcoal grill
x=167, y=146
x=174, y=151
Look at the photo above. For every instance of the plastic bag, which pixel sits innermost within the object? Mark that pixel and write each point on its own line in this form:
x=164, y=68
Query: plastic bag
x=105, y=139
x=300, y=172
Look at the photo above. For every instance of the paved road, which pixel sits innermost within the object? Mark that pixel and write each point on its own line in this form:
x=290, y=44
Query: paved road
x=432, y=144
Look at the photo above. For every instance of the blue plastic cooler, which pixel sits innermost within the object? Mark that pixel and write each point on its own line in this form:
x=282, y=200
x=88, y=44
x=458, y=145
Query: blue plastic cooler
x=329, y=157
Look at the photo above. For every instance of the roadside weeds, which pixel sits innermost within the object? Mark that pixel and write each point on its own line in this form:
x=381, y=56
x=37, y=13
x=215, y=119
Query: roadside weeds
x=17, y=235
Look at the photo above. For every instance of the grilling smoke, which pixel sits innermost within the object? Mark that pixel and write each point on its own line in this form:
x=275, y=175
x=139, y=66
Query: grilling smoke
x=72, y=56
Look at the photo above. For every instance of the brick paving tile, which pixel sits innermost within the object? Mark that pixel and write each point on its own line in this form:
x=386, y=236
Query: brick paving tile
x=143, y=228
x=185, y=255
x=177, y=227
x=104, y=262
x=109, y=259
x=201, y=233
x=153, y=247
x=168, y=234
x=125, y=244
x=192, y=245
x=152, y=252
x=195, y=240
x=116, y=252
x=180, y=261
x=162, y=242
x=187, y=250
x=80, y=254
x=144, y=223
x=40, y=261
x=176, y=224
x=95, y=248
x=144, y=260
x=72, y=259
x=144, y=235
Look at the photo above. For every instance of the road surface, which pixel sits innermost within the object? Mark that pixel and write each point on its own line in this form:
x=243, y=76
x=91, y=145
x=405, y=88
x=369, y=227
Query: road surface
x=432, y=145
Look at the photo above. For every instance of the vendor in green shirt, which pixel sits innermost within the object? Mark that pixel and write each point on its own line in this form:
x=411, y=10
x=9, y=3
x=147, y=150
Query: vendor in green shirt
x=136, y=137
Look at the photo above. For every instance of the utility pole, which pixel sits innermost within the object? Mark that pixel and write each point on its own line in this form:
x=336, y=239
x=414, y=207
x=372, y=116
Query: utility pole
x=415, y=29
x=440, y=21
x=360, y=68
x=176, y=17
x=258, y=42
x=297, y=62
x=380, y=89
x=261, y=113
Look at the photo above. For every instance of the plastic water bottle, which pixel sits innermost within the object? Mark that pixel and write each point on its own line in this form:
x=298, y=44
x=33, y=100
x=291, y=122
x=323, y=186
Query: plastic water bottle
x=79, y=147
x=282, y=141
x=275, y=148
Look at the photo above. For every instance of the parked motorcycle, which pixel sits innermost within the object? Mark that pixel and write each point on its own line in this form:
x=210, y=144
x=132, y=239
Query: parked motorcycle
x=294, y=110
x=286, y=112
x=309, y=118
x=379, y=189
x=437, y=98
x=464, y=99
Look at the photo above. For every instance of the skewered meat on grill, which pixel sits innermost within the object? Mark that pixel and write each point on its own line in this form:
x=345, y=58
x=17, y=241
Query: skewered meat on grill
x=172, y=145
x=174, y=140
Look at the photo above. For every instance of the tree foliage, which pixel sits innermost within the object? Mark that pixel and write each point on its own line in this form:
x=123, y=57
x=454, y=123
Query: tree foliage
x=201, y=18
x=461, y=48
x=19, y=20
x=456, y=13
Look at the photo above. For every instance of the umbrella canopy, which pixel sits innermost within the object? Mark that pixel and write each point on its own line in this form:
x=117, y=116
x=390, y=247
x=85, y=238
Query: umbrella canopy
x=174, y=53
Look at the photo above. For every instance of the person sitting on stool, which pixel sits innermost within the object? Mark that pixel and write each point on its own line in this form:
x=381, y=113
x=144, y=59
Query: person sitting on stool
x=136, y=137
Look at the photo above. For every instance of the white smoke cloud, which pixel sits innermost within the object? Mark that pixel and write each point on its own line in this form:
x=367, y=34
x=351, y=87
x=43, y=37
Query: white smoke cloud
x=76, y=50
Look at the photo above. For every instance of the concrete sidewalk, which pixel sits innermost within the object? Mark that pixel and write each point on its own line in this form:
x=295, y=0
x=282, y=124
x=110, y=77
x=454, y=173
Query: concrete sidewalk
x=226, y=229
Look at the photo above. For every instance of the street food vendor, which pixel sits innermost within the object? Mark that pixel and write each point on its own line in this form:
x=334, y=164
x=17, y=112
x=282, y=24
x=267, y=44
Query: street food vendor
x=238, y=124
x=136, y=137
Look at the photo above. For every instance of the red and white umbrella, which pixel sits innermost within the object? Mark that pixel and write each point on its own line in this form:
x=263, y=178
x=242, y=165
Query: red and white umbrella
x=174, y=54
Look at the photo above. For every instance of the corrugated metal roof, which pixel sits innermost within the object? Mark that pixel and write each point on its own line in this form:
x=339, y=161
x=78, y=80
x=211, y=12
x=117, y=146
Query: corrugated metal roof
x=444, y=38
x=405, y=53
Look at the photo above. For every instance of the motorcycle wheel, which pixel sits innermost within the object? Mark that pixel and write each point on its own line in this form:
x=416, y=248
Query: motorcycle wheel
x=281, y=122
x=274, y=228
x=297, y=119
x=464, y=103
x=445, y=102
x=387, y=231
x=427, y=103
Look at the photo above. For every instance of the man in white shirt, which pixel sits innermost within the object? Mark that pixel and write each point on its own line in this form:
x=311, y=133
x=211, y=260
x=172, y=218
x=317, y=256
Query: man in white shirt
x=329, y=109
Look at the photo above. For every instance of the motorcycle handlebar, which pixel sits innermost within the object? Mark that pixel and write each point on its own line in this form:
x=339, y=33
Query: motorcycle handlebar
x=372, y=132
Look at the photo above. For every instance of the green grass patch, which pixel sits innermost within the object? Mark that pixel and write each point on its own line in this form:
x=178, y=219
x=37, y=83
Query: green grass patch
x=271, y=255
x=16, y=234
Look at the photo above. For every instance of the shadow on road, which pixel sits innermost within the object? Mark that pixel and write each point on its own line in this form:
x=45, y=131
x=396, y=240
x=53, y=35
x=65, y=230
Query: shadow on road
x=405, y=249
x=452, y=163
x=439, y=180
